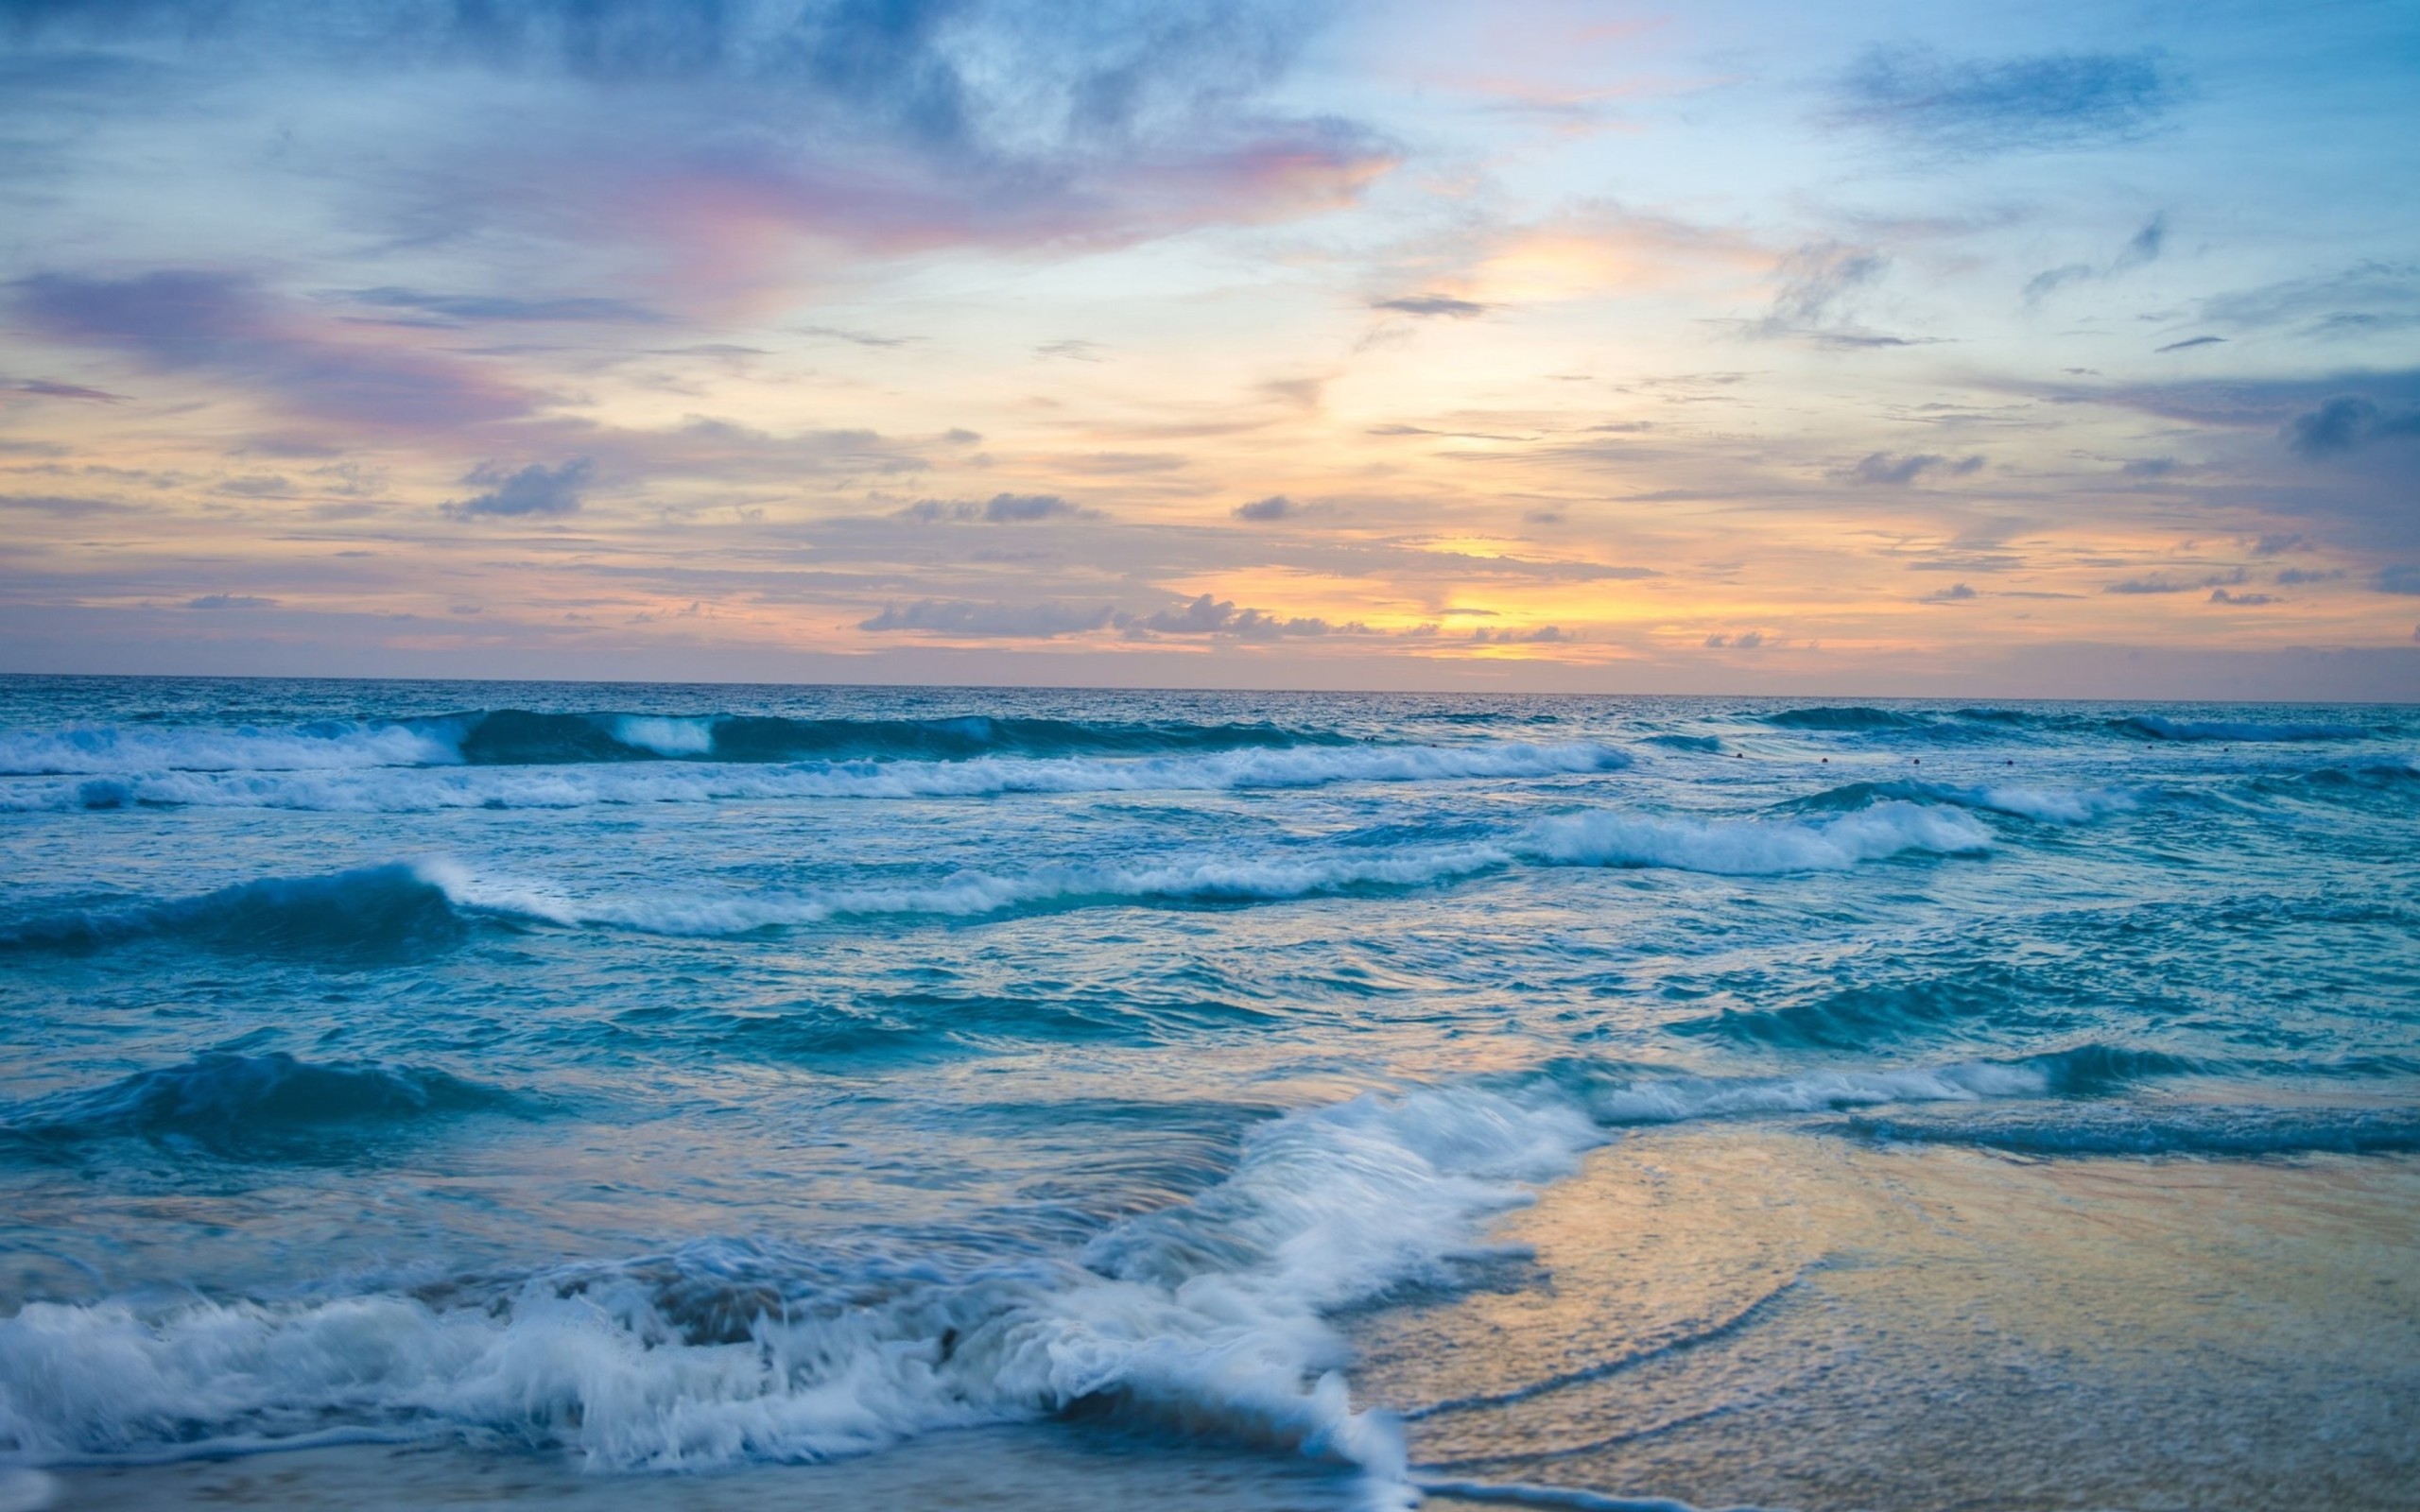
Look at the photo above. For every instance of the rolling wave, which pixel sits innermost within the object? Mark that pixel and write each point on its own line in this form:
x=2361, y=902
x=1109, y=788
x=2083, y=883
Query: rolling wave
x=1846, y=717
x=517, y=737
x=582, y=786
x=364, y=914
x=2151, y=727
x=266, y=1104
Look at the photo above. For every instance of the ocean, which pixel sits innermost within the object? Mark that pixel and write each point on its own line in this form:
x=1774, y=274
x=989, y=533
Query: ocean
x=607, y=1095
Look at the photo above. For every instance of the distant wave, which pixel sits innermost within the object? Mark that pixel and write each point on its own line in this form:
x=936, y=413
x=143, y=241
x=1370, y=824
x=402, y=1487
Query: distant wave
x=237, y=1103
x=2048, y=806
x=581, y=786
x=1211, y=1314
x=2151, y=727
x=515, y=737
x=1850, y=716
x=2153, y=1129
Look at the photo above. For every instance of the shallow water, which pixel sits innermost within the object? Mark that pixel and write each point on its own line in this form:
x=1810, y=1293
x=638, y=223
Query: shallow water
x=525, y=1093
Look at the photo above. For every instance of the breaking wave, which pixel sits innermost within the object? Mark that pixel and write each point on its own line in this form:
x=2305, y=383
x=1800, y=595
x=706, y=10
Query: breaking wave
x=1211, y=1316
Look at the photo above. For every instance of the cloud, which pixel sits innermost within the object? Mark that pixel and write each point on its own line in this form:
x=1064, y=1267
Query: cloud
x=1000, y=509
x=1954, y=593
x=2370, y=296
x=1896, y=472
x=1208, y=616
x=1744, y=641
x=1539, y=635
x=2219, y=596
x=1438, y=305
x=1974, y=106
x=2399, y=578
x=2050, y=281
x=2347, y=422
x=2143, y=247
x=229, y=601
x=722, y=137
x=1819, y=282
x=497, y=307
x=858, y=338
x=2293, y=575
x=2156, y=584
x=2190, y=342
x=1276, y=507
x=224, y=324
x=967, y=617
x=535, y=490
x=1024, y=508
x=43, y=388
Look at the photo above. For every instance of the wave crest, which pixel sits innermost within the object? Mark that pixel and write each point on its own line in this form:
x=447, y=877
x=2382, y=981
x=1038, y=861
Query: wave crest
x=266, y=1104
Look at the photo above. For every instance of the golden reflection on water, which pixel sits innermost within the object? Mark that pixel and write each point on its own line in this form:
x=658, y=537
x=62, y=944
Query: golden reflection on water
x=1760, y=1316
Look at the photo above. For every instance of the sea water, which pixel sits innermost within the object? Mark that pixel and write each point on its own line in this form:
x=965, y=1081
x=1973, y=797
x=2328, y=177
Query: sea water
x=613, y=1095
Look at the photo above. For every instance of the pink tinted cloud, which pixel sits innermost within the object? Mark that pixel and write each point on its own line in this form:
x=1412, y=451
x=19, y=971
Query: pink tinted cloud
x=286, y=352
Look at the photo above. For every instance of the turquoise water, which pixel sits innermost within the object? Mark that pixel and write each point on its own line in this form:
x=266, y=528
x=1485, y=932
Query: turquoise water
x=673, y=1080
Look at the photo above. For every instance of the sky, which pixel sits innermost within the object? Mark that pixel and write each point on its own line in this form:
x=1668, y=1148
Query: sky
x=2016, y=350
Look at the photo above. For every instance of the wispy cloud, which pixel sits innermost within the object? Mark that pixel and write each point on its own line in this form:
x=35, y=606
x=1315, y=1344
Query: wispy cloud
x=1436, y=305
x=1939, y=105
x=1897, y=471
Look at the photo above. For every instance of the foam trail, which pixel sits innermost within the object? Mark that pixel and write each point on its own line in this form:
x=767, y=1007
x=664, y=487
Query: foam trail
x=1524, y=1493
x=1731, y=846
x=585, y=785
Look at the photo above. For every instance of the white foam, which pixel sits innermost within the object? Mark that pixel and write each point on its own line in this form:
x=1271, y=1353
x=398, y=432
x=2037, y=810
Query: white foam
x=583, y=786
x=666, y=737
x=119, y=750
x=2046, y=806
x=1209, y=1315
x=1755, y=847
